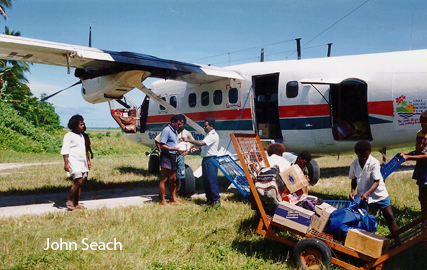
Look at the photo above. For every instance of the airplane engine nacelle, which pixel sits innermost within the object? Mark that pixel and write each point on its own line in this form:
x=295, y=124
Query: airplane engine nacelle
x=112, y=86
x=104, y=88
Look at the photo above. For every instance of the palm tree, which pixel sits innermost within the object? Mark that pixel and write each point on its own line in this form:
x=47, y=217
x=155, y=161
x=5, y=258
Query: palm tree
x=4, y=4
x=12, y=74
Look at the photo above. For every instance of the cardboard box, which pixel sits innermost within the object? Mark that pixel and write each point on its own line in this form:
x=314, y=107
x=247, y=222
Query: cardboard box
x=321, y=217
x=292, y=216
x=366, y=242
x=294, y=178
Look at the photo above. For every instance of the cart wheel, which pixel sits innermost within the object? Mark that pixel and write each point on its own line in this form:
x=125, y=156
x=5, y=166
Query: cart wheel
x=311, y=253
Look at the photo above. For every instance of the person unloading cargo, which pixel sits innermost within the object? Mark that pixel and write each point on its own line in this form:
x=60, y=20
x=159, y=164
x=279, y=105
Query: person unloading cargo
x=365, y=175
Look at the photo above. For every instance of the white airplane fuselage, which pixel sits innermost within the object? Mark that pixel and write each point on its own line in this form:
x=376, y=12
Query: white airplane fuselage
x=320, y=105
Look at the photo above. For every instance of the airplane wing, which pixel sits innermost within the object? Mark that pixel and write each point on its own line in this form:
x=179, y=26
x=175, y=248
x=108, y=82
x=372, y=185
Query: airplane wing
x=94, y=62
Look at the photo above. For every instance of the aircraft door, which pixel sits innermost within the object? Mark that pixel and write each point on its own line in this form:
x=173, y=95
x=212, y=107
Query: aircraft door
x=349, y=110
x=266, y=106
x=318, y=120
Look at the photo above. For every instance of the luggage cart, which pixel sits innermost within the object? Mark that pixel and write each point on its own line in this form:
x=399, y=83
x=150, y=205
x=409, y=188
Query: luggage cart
x=314, y=250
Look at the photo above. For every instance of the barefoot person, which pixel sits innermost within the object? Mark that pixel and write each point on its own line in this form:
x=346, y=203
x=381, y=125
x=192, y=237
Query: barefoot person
x=168, y=158
x=76, y=161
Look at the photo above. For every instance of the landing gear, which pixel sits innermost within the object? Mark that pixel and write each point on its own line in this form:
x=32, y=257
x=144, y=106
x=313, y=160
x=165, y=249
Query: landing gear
x=187, y=186
x=153, y=161
x=311, y=253
x=313, y=172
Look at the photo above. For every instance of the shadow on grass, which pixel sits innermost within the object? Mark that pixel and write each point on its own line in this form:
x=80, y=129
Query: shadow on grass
x=343, y=171
x=261, y=247
x=91, y=189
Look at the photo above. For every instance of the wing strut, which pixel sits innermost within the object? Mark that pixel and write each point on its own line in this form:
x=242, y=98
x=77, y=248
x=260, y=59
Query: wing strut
x=170, y=108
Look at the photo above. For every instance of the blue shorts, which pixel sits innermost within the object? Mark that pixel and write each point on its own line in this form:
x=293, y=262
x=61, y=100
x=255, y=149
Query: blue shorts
x=381, y=204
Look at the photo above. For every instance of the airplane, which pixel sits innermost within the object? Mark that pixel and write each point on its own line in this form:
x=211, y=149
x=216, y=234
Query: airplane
x=321, y=105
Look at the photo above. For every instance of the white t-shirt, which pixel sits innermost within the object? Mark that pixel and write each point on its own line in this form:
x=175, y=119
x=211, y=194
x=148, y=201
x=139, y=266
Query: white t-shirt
x=365, y=178
x=210, y=149
x=73, y=145
x=281, y=162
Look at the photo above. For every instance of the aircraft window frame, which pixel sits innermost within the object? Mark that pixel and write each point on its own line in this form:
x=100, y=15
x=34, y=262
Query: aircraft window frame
x=292, y=88
x=217, y=97
x=204, y=98
x=173, y=99
x=160, y=106
x=193, y=102
x=233, y=95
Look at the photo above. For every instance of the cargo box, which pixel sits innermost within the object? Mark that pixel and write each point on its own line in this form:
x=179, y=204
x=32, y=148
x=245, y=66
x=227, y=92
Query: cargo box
x=294, y=178
x=321, y=217
x=366, y=242
x=293, y=216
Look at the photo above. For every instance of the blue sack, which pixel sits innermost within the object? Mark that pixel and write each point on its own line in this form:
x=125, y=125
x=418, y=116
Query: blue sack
x=353, y=217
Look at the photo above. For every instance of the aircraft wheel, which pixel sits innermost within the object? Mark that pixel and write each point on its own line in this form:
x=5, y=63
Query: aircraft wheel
x=154, y=163
x=313, y=172
x=311, y=253
x=187, y=186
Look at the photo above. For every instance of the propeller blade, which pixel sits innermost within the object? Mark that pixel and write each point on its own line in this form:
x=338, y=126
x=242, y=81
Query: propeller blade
x=54, y=94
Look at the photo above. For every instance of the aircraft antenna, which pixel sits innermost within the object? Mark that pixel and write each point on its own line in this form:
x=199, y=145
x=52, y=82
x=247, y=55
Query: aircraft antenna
x=329, y=49
x=262, y=55
x=298, y=48
x=90, y=36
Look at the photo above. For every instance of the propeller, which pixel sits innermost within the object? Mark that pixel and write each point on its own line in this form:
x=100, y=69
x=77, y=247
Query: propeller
x=54, y=94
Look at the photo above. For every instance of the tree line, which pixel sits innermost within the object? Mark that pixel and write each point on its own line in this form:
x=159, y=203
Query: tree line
x=26, y=124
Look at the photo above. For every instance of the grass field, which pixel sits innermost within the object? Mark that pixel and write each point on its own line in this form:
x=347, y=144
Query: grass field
x=155, y=237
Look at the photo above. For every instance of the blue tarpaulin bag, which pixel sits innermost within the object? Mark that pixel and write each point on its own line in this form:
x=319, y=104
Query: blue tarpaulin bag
x=353, y=217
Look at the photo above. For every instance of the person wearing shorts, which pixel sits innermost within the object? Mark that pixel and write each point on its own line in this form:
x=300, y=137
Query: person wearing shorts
x=168, y=158
x=76, y=160
x=366, y=176
x=420, y=156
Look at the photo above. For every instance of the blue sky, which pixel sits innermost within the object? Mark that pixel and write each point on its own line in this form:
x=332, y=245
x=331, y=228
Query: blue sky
x=193, y=31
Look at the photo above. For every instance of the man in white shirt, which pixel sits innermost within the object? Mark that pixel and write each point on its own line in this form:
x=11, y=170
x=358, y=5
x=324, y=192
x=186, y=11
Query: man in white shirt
x=209, y=149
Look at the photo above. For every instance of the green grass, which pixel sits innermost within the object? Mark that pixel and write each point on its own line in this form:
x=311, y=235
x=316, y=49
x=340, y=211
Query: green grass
x=155, y=237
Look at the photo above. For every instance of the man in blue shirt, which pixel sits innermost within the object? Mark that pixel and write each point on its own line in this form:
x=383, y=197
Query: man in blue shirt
x=168, y=158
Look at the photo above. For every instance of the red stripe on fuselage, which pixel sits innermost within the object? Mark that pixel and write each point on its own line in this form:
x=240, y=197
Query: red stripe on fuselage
x=304, y=110
x=374, y=107
x=381, y=108
x=201, y=116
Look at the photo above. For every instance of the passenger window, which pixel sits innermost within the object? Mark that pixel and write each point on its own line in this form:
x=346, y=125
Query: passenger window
x=161, y=107
x=192, y=100
x=233, y=95
x=205, y=99
x=172, y=101
x=217, y=97
x=292, y=89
